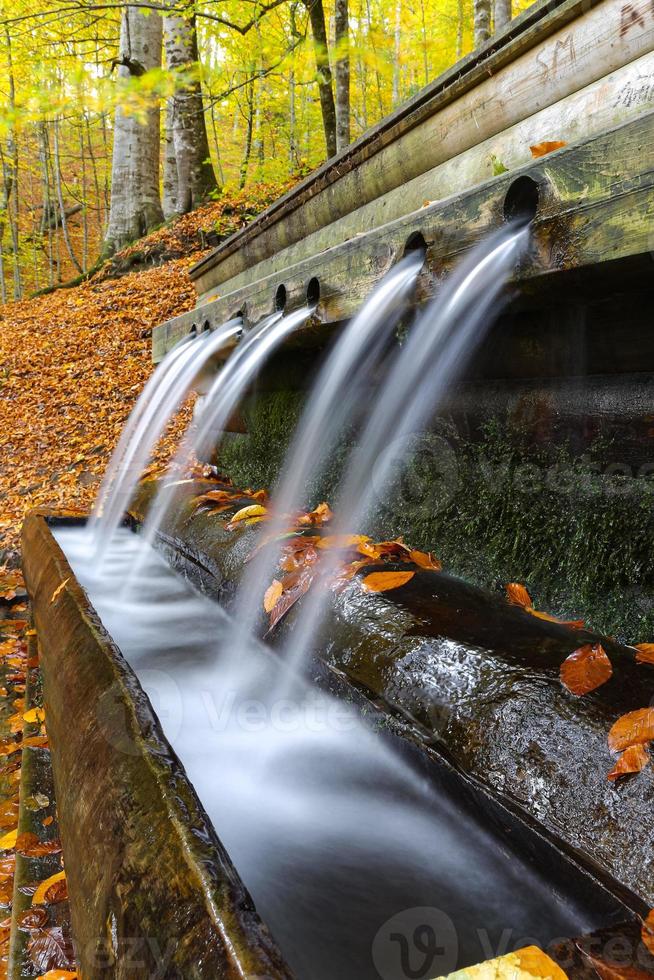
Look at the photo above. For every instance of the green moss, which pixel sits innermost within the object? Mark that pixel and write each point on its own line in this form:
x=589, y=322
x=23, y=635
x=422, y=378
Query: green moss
x=494, y=510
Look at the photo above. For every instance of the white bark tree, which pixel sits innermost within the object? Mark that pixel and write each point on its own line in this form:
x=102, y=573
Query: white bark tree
x=342, y=73
x=503, y=14
x=185, y=121
x=135, y=194
x=482, y=21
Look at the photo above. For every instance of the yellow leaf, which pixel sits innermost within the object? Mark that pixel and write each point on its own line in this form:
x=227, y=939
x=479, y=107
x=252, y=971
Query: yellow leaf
x=9, y=840
x=253, y=510
x=39, y=895
x=34, y=716
x=59, y=589
x=384, y=581
x=547, y=146
x=273, y=595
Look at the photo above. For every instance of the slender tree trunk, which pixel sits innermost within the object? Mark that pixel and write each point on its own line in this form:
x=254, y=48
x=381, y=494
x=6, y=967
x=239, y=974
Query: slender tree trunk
x=503, y=14
x=248, y=137
x=342, y=73
x=10, y=173
x=327, y=105
x=195, y=176
x=482, y=12
x=459, y=29
x=170, y=178
x=135, y=197
x=397, y=52
x=60, y=198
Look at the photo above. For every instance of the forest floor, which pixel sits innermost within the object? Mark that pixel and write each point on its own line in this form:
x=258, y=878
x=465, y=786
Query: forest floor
x=72, y=362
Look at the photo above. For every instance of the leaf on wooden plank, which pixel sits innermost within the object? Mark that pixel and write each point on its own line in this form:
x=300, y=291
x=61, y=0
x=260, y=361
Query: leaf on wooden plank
x=245, y=513
x=518, y=595
x=341, y=541
x=547, y=146
x=586, y=669
x=647, y=931
x=273, y=595
x=48, y=890
x=633, y=728
x=385, y=581
x=632, y=760
x=425, y=560
x=575, y=624
x=645, y=654
x=59, y=589
x=290, y=596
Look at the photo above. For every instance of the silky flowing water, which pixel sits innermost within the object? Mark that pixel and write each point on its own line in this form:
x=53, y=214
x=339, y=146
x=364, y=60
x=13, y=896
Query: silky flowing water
x=341, y=845
x=359, y=868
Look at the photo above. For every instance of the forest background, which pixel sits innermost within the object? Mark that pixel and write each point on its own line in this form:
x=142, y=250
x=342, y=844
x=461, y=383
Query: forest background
x=115, y=118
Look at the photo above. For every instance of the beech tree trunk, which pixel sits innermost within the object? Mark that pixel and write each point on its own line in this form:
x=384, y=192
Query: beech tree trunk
x=327, y=105
x=170, y=181
x=135, y=197
x=185, y=115
x=503, y=14
x=342, y=73
x=482, y=11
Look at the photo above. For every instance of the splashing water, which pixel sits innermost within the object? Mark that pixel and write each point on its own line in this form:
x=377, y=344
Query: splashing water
x=161, y=398
x=223, y=398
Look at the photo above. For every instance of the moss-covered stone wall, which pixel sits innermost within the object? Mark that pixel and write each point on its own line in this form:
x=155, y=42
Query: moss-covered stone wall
x=578, y=534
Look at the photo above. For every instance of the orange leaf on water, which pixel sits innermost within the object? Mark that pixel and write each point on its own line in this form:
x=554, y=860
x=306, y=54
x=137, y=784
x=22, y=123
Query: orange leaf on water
x=586, y=669
x=385, y=581
x=273, y=595
x=632, y=729
x=518, y=595
x=632, y=760
x=547, y=146
x=647, y=931
x=645, y=653
x=58, y=975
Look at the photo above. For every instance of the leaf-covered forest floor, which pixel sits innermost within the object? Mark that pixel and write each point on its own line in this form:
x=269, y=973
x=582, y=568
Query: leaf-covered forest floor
x=72, y=362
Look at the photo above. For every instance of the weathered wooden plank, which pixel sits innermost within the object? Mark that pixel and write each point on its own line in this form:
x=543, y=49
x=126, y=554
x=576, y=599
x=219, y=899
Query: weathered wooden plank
x=531, y=71
x=596, y=205
x=615, y=99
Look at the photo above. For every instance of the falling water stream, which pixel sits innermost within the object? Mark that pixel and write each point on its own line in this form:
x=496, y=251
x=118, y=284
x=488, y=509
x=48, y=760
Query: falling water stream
x=344, y=846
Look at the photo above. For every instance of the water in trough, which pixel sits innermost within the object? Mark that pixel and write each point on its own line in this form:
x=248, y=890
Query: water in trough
x=358, y=867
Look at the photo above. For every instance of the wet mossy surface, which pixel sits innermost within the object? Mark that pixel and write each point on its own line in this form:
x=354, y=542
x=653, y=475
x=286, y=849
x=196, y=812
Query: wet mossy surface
x=576, y=530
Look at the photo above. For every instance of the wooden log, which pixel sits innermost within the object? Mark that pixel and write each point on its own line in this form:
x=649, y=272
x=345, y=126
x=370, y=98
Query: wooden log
x=478, y=680
x=596, y=202
x=152, y=891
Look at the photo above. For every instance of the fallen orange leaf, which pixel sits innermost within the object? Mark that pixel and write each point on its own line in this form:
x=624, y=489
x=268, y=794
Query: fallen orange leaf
x=273, y=595
x=518, y=595
x=647, y=931
x=385, y=581
x=547, y=146
x=645, y=653
x=59, y=589
x=342, y=540
x=425, y=560
x=34, y=716
x=39, y=896
x=632, y=760
x=586, y=669
x=58, y=975
x=631, y=729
